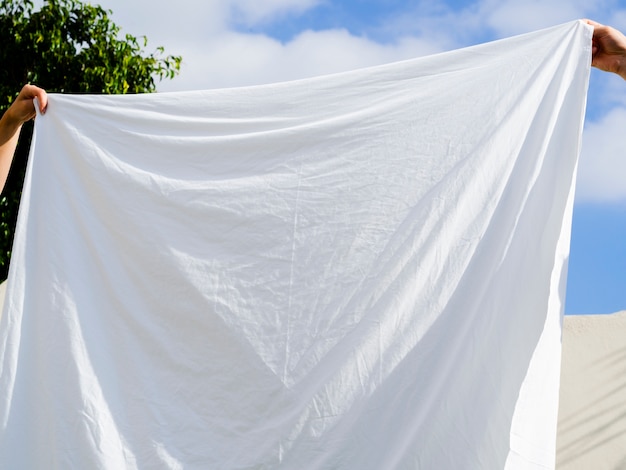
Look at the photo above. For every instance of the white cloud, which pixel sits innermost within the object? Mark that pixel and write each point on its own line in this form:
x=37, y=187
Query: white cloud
x=245, y=59
x=602, y=171
x=214, y=55
x=191, y=19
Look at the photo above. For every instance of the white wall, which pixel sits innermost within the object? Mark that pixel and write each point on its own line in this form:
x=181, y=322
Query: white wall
x=592, y=413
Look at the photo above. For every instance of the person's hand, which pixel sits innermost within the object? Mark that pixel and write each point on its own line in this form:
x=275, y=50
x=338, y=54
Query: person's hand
x=23, y=108
x=608, y=49
x=20, y=111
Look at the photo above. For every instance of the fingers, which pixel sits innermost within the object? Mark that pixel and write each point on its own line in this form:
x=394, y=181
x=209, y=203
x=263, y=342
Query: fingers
x=42, y=98
x=30, y=92
x=24, y=106
x=592, y=23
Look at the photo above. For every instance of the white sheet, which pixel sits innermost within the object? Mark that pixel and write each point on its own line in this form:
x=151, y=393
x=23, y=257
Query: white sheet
x=347, y=272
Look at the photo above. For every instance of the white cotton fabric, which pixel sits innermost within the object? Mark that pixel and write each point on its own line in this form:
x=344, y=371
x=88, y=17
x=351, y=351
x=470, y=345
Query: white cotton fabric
x=357, y=271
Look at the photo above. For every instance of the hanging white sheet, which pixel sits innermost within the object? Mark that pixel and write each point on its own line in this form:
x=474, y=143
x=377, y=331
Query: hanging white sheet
x=357, y=271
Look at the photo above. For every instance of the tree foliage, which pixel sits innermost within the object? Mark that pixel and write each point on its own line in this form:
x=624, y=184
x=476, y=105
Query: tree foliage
x=66, y=47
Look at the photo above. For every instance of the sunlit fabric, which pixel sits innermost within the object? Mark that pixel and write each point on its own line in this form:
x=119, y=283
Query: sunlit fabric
x=356, y=271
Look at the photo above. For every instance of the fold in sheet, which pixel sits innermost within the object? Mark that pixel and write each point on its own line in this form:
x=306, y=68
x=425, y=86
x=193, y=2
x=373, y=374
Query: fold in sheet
x=357, y=271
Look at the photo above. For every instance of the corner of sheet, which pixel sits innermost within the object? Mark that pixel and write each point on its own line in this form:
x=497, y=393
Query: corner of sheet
x=37, y=108
x=586, y=27
x=586, y=31
x=36, y=103
x=38, y=114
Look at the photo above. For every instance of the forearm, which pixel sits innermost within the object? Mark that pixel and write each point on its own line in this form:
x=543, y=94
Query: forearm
x=9, y=135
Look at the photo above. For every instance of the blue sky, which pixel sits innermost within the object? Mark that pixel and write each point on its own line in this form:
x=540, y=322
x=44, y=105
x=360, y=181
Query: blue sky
x=228, y=43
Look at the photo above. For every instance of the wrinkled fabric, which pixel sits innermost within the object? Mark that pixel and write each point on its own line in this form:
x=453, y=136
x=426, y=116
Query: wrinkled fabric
x=356, y=271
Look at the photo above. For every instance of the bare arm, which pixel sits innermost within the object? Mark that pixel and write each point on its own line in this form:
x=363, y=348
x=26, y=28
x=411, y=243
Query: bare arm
x=22, y=110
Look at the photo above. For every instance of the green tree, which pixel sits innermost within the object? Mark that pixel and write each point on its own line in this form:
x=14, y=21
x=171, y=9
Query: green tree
x=66, y=47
